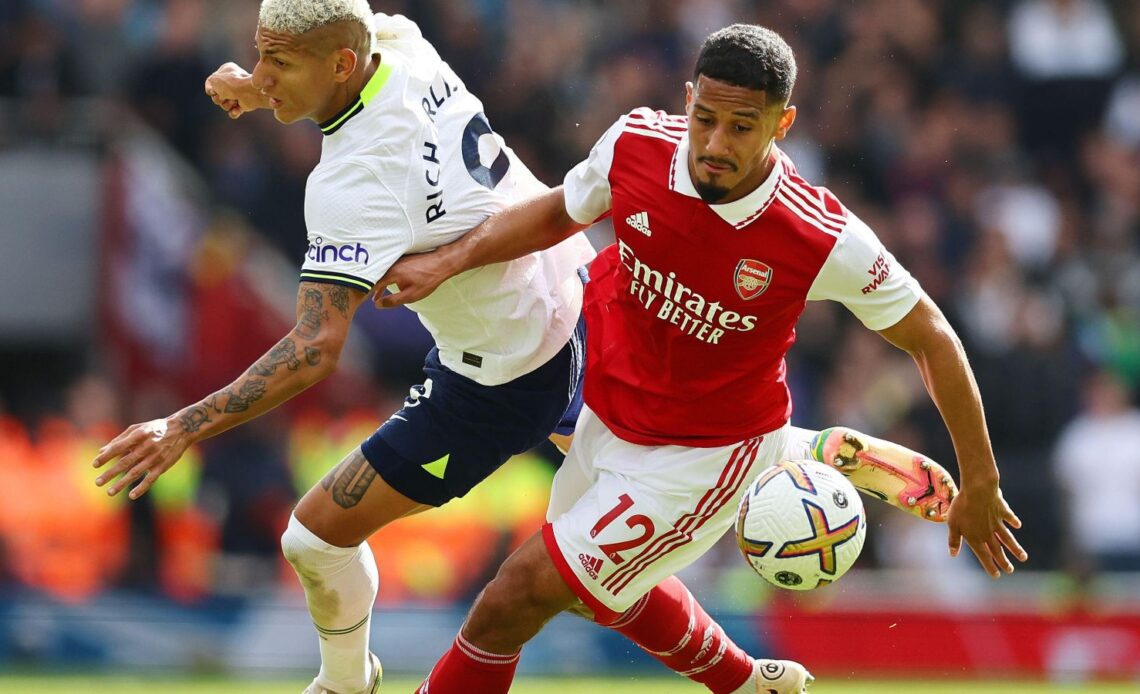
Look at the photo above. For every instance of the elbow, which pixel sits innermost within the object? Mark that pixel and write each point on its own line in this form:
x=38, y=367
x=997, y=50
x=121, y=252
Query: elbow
x=928, y=333
x=323, y=369
x=942, y=347
x=318, y=358
x=948, y=337
x=560, y=224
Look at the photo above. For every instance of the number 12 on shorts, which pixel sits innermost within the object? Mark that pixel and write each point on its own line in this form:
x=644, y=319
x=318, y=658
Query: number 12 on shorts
x=637, y=520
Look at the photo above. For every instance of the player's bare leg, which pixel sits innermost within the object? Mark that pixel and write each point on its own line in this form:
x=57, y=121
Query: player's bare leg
x=903, y=478
x=326, y=544
x=529, y=590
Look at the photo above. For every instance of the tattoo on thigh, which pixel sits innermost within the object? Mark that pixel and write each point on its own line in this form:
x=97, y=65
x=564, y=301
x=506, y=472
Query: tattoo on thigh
x=350, y=480
x=327, y=480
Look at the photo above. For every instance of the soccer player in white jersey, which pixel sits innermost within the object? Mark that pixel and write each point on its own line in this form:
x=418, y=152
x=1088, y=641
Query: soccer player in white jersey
x=719, y=245
x=409, y=162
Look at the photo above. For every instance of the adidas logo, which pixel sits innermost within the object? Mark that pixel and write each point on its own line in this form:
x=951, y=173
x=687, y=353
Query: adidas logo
x=592, y=564
x=639, y=221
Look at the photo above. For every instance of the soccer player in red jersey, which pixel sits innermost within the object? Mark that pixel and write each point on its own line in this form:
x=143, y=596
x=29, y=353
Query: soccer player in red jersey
x=720, y=243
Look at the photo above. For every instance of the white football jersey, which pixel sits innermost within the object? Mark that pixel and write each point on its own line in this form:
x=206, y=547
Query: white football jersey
x=412, y=165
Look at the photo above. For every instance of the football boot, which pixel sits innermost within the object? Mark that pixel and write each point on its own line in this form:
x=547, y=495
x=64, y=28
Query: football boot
x=887, y=471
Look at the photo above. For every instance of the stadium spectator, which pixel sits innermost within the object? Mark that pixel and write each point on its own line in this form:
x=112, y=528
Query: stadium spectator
x=1066, y=54
x=1097, y=463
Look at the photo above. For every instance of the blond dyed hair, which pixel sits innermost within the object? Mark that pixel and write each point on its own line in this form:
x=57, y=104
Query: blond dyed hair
x=300, y=16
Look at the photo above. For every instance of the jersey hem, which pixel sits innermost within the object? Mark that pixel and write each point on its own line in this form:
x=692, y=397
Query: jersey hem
x=640, y=439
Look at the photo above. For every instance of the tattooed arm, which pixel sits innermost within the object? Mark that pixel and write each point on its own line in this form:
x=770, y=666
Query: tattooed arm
x=306, y=355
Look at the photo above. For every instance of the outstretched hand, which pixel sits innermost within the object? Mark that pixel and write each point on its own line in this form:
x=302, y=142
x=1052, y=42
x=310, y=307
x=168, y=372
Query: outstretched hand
x=145, y=451
x=414, y=277
x=982, y=518
x=231, y=89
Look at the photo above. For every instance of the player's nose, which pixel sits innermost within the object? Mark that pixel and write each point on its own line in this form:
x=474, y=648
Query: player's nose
x=717, y=144
x=259, y=78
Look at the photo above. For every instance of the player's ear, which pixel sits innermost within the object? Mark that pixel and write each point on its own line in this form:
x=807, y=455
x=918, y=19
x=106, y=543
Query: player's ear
x=787, y=118
x=345, y=64
x=688, y=95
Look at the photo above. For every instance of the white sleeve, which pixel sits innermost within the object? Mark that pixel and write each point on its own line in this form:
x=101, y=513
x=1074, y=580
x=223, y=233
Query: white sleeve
x=863, y=275
x=587, y=185
x=357, y=228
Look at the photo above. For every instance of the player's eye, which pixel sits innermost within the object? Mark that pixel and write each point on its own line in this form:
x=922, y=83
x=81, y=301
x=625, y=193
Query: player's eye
x=704, y=120
x=743, y=128
x=279, y=62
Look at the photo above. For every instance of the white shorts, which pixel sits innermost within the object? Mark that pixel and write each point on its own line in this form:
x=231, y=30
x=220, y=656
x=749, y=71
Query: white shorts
x=625, y=517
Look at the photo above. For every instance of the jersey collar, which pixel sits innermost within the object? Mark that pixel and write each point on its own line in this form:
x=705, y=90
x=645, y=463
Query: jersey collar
x=739, y=213
x=371, y=89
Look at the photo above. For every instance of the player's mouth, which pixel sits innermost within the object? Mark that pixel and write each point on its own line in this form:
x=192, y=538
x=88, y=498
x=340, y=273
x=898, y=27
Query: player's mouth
x=274, y=103
x=714, y=166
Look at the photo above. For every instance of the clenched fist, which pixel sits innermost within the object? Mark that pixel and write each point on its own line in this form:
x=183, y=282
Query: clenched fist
x=231, y=88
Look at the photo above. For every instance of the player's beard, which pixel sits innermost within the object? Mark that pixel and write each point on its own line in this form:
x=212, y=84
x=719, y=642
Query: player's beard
x=709, y=192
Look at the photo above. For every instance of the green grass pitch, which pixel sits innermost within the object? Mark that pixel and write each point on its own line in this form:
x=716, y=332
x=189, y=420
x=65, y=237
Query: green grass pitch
x=78, y=684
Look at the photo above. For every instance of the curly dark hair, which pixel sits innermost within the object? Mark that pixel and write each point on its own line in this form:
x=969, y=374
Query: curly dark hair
x=750, y=56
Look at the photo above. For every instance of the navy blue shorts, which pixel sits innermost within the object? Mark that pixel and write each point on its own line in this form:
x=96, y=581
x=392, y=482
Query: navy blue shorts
x=453, y=432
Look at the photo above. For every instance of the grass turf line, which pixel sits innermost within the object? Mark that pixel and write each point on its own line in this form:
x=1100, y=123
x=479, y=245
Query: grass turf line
x=100, y=684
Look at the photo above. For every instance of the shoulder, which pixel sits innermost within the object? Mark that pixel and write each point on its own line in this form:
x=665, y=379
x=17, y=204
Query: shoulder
x=813, y=206
x=347, y=186
x=340, y=176
x=647, y=123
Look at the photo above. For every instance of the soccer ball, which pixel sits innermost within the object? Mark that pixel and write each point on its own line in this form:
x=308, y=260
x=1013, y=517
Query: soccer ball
x=801, y=525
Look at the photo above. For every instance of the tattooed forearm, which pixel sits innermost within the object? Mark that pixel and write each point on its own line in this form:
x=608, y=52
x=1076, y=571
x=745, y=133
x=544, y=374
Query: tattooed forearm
x=339, y=298
x=284, y=352
x=193, y=419
x=311, y=314
x=350, y=480
x=312, y=356
x=250, y=392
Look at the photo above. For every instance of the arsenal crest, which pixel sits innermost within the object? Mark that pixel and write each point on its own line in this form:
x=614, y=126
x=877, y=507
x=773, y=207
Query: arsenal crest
x=752, y=278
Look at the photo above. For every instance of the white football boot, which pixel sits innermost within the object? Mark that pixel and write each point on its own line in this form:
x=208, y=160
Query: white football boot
x=372, y=688
x=780, y=676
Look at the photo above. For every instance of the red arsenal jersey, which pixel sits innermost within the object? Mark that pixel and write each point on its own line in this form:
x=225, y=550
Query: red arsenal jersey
x=691, y=311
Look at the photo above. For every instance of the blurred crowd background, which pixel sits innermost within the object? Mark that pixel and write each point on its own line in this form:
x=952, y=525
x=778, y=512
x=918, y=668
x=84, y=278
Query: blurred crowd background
x=150, y=248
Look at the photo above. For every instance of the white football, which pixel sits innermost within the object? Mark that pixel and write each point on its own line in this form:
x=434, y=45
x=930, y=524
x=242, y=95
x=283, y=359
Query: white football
x=801, y=525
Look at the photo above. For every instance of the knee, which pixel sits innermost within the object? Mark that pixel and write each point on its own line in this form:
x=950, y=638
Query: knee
x=308, y=552
x=296, y=543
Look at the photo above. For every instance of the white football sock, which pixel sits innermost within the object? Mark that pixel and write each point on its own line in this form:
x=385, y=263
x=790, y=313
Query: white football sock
x=799, y=443
x=340, y=588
